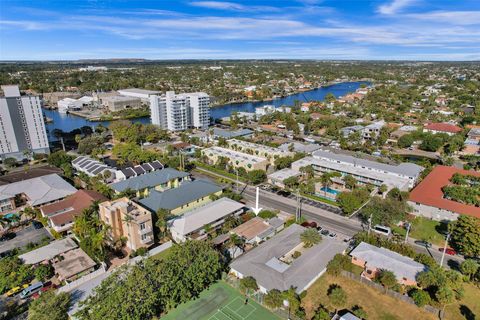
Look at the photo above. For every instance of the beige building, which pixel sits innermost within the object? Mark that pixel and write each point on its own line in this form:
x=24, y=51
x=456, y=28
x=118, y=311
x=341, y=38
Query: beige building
x=259, y=150
x=118, y=103
x=236, y=159
x=128, y=220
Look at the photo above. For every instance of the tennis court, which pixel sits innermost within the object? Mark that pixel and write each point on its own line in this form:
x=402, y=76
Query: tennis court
x=220, y=302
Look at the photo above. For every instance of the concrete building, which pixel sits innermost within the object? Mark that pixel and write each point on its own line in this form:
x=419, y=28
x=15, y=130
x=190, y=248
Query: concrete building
x=178, y=112
x=278, y=177
x=118, y=103
x=22, y=128
x=192, y=224
x=260, y=150
x=274, y=266
x=128, y=220
x=402, y=176
x=428, y=200
x=236, y=159
x=34, y=192
x=374, y=259
x=142, y=94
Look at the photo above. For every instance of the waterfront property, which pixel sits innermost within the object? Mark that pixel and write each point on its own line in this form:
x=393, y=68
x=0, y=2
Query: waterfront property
x=34, y=192
x=236, y=159
x=428, y=199
x=283, y=261
x=402, y=176
x=142, y=94
x=189, y=195
x=117, y=103
x=62, y=214
x=22, y=130
x=192, y=224
x=144, y=184
x=374, y=260
x=127, y=220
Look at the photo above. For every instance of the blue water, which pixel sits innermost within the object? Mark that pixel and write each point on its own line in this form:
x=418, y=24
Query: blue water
x=67, y=123
x=10, y=215
x=329, y=190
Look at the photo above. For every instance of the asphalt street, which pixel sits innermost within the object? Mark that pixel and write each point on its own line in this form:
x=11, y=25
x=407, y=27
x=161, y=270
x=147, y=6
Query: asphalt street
x=23, y=238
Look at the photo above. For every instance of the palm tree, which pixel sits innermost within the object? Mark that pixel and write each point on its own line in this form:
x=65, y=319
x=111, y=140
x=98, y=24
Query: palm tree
x=310, y=237
x=128, y=219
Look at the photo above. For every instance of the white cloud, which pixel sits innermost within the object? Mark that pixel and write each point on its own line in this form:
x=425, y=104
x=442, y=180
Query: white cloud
x=395, y=6
x=232, y=6
x=450, y=17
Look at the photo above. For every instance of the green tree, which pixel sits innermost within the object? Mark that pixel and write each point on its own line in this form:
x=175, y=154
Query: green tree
x=445, y=296
x=248, y=283
x=310, y=237
x=10, y=162
x=350, y=181
x=274, y=299
x=44, y=272
x=387, y=279
x=359, y=312
x=337, y=297
x=256, y=176
x=337, y=264
x=405, y=141
x=349, y=201
x=321, y=314
x=50, y=306
x=420, y=297
x=465, y=235
x=469, y=267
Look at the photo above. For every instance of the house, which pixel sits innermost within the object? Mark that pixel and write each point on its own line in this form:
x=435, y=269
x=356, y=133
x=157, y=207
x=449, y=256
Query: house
x=143, y=184
x=192, y=224
x=92, y=167
x=372, y=130
x=347, y=131
x=73, y=264
x=257, y=229
x=447, y=128
x=34, y=192
x=127, y=220
x=48, y=252
x=278, y=177
x=62, y=214
x=275, y=263
x=189, y=195
x=135, y=171
x=428, y=200
x=266, y=109
x=374, y=259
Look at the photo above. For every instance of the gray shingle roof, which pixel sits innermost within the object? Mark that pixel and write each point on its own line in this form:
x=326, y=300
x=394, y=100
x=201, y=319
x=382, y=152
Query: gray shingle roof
x=39, y=190
x=148, y=180
x=176, y=197
x=381, y=258
x=264, y=265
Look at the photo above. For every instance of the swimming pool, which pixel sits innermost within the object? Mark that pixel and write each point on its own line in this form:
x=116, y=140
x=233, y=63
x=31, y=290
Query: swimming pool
x=12, y=216
x=330, y=190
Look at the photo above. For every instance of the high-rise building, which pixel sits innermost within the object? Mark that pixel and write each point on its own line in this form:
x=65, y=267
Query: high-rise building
x=22, y=129
x=177, y=112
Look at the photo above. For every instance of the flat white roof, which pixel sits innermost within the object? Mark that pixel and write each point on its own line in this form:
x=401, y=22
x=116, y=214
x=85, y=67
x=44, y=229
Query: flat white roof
x=49, y=251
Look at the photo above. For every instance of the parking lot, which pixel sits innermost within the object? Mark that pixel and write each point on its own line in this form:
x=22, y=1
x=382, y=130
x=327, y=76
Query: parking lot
x=23, y=238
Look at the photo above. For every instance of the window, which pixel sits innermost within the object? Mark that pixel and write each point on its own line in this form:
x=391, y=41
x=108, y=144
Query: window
x=143, y=226
x=144, y=237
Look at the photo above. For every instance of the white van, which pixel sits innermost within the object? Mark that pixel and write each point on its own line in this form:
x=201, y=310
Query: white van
x=386, y=231
x=27, y=292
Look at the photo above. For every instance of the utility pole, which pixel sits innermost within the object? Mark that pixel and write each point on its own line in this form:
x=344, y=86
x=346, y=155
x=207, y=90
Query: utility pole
x=408, y=231
x=370, y=223
x=298, y=212
x=236, y=172
x=444, y=249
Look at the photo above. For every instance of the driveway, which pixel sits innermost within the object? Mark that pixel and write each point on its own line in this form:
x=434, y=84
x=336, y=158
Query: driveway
x=24, y=237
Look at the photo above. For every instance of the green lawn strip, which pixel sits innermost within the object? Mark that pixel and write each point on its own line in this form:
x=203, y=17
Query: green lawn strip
x=218, y=302
x=162, y=255
x=310, y=196
x=426, y=229
x=219, y=171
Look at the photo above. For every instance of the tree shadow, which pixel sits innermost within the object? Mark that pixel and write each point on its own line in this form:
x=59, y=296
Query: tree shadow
x=453, y=264
x=467, y=313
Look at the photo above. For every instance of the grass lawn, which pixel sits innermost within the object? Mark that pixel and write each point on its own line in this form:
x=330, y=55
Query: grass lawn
x=224, y=173
x=425, y=229
x=162, y=255
x=377, y=305
x=466, y=308
x=220, y=302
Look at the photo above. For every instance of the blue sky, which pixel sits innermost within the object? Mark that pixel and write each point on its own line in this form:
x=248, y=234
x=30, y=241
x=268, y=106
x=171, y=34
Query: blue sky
x=279, y=29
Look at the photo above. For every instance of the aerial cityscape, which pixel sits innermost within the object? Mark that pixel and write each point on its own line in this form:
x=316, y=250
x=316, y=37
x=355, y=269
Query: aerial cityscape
x=240, y=160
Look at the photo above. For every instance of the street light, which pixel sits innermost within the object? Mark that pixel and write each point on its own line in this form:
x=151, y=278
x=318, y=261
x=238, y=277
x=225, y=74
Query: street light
x=444, y=249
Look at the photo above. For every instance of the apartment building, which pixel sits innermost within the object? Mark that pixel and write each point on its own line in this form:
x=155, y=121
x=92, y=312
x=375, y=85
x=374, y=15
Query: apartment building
x=22, y=129
x=178, y=112
x=236, y=159
x=260, y=150
x=127, y=220
x=402, y=176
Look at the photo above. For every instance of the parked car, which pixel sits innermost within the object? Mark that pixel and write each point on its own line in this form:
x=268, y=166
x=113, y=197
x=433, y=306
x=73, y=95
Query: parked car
x=15, y=290
x=332, y=235
x=283, y=193
x=8, y=236
x=46, y=287
x=324, y=232
x=319, y=228
x=423, y=243
x=309, y=224
x=449, y=251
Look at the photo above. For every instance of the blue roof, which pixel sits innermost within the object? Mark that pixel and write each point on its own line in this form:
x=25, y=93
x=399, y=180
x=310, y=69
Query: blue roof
x=187, y=192
x=148, y=180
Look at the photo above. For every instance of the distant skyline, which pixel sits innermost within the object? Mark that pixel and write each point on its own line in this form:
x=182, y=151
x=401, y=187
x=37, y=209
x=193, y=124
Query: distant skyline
x=276, y=29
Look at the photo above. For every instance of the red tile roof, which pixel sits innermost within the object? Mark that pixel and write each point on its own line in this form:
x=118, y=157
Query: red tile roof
x=72, y=206
x=429, y=191
x=443, y=127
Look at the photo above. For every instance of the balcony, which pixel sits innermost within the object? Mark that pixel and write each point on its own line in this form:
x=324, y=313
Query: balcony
x=148, y=239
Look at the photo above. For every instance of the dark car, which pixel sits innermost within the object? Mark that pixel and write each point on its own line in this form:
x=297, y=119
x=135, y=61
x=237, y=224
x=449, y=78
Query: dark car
x=8, y=253
x=283, y=193
x=423, y=243
x=309, y=224
x=37, y=225
x=8, y=236
x=449, y=251
x=324, y=232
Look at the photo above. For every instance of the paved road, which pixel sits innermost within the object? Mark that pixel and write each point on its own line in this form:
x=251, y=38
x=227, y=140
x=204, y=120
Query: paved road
x=24, y=237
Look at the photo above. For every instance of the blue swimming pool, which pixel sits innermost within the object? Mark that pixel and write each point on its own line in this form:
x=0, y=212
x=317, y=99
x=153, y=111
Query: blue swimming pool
x=330, y=190
x=9, y=216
